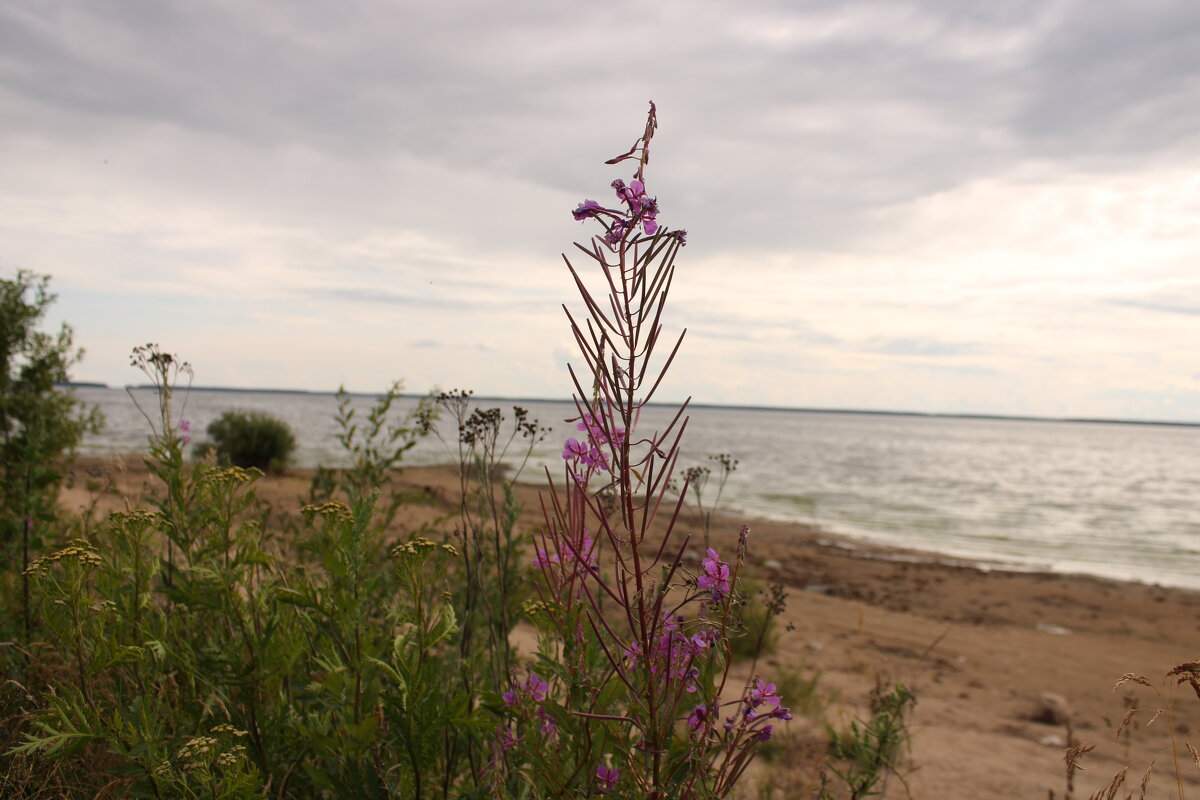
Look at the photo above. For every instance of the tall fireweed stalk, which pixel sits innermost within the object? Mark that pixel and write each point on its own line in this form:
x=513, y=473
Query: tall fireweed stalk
x=628, y=695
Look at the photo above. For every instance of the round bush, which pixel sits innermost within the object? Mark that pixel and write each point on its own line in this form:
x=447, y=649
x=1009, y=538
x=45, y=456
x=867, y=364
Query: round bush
x=252, y=439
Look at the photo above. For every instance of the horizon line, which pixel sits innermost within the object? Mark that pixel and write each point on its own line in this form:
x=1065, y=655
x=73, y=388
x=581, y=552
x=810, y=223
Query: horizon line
x=690, y=402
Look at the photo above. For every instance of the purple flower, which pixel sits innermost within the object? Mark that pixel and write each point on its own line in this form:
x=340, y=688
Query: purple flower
x=186, y=427
x=607, y=778
x=588, y=208
x=764, y=693
x=703, y=640
x=698, y=717
x=616, y=233
x=596, y=432
x=549, y=727
x=715, y=577
x=587, y=453
x=536, y=687
x=763, y=702
x=573, y=448
x=764, y=733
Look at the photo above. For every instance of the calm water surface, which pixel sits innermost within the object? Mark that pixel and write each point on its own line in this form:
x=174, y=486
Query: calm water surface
x=1109, y=499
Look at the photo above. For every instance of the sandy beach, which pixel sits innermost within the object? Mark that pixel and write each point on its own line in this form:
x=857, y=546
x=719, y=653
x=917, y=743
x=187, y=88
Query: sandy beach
x=998, y=661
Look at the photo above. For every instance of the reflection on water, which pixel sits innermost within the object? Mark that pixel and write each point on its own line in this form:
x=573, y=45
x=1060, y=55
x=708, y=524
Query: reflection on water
x=1117, y=500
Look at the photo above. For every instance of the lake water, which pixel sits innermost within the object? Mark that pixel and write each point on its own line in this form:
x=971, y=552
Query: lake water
x=1109, y=499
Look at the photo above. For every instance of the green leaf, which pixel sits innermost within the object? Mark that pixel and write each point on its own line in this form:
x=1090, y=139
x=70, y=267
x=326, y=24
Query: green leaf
x=443, y=626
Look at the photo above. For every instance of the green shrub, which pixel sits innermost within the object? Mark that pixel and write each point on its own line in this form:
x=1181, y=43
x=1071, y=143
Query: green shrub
x=252, y=439
x=39, y=425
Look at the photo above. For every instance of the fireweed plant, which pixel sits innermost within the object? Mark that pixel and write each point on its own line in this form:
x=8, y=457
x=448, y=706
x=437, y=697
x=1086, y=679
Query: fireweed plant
x=628, y=695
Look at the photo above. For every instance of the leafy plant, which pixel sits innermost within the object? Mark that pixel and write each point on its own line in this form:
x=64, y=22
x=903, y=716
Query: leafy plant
x=869, y=751
x=376, y=445
x=756, y=616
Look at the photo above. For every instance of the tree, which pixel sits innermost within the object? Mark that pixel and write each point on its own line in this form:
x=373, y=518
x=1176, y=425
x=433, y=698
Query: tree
x=40, y=423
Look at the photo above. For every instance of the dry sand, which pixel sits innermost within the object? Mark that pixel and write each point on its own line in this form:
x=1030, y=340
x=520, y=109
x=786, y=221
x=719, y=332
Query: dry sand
x=979, y=648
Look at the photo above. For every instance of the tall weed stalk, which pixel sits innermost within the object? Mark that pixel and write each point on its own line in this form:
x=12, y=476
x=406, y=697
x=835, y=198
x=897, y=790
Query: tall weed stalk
x=629, y=694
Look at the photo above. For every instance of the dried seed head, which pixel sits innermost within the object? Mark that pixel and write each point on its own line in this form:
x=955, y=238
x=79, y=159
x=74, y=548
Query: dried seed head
x=1073, y=754
x=1110, y=791
x=1135, y=678
x=1145, y=780
x=1125, y=722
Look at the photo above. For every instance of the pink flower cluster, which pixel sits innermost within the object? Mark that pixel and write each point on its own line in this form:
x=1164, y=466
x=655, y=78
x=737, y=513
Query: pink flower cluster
x=528, y=696
x=762, y=704
x=715, y=577
x=640, y=209
x=674, y=654
x=700, y=721
x=589, y=452
x=533, y=687
x=606, y=778
x=185, y=426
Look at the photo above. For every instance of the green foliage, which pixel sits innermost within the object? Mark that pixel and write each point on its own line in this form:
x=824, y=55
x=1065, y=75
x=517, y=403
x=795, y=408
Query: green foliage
x=375, y=445
x=756, y=617
x=223, y=669
x=868, y=751
x=39, y=424
x=252, y=439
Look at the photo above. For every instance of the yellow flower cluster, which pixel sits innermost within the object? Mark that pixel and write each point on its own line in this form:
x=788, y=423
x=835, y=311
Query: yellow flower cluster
x=419, y=546
x=231, y=756
x=198, y=750
x=231, y=476
x=76, y=549
x=193, y=753
x=137, y=516
x=535, y=608
x=339, y=511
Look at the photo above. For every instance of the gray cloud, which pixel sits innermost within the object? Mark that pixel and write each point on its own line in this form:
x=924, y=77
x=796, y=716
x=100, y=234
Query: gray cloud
x=785, y=122
x=1115, y=80
x=424, y=157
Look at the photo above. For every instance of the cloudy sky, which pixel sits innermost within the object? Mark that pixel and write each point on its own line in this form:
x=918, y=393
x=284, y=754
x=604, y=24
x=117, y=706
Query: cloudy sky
x=941, y=206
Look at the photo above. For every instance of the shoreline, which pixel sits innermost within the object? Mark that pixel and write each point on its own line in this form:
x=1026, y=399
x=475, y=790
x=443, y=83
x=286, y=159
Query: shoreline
x=853, y=544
